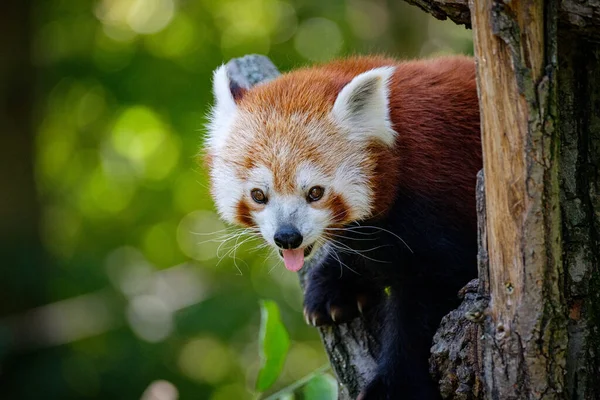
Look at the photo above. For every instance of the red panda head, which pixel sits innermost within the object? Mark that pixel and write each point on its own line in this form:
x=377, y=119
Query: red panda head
x=294, y=156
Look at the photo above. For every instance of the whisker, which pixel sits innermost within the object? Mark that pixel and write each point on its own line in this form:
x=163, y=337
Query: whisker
x=343, y=264
x=228, y=238
x=208, y=233
x=349, y=237
x=204, y=186
x=352, y=229
x=272, y=268
x=233, y=251
x=345, y=249
x=360, y=251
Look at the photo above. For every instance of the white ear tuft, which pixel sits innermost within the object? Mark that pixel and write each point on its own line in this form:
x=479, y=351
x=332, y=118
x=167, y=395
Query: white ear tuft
x=362, y=107
x=222, y=90
x=223, y=110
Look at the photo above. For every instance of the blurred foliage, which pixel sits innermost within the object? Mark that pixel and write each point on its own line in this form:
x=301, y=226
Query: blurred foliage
x=274, y=342
x=146, y=292
x=321, y=387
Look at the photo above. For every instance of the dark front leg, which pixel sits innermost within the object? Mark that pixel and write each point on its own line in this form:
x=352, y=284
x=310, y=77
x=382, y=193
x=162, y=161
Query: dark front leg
x=339, y=290
x=403, y=365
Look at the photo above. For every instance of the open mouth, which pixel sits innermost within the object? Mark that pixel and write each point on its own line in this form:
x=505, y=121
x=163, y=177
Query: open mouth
x=294, y=258
x=307, y=250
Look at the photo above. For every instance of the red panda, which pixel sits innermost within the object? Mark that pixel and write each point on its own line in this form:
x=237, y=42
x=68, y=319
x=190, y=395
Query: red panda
x=365, y=169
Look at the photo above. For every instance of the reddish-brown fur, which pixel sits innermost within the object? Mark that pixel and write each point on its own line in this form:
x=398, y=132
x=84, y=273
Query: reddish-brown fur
x=423, y=185
x=431, y=157
x=338, y=207
x=243, y=214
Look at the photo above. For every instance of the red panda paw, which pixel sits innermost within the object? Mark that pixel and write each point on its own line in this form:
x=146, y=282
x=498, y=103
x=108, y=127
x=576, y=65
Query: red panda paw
x=330, y=313
x=328, y=304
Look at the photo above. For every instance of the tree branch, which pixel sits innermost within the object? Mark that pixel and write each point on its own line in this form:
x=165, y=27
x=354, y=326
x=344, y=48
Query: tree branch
x=455, y=10
x=582, y=17
x=457, y=352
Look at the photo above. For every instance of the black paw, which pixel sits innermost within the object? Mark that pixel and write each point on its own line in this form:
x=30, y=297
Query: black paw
x=335, y=301
x=337, y=309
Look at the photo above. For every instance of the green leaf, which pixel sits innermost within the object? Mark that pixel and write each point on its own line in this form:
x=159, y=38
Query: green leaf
x=287, y=393
x=274, y=343
x=321, y=387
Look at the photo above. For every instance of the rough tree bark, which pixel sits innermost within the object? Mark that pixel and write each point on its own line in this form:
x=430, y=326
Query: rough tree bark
x=529, y=328
x=525, y=328
x=539, y=86
x=579, y=16
x=579, y=127
x=538, y=69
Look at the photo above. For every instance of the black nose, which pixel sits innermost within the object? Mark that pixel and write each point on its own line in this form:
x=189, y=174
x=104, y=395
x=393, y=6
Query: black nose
x=288, y=237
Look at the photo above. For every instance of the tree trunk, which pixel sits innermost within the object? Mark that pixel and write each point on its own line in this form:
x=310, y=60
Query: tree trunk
x=539, y=87
x=525, y=328
x=579, y=112
x=529, y=328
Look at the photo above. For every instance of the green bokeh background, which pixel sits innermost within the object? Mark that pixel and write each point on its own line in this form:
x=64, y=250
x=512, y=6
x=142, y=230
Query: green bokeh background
x=135, y=284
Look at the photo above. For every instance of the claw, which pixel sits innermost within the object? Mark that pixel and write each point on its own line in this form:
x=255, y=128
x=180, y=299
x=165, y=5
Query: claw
x=362, y=302
x=306, y=319
x=334, y=311
x=314, y=321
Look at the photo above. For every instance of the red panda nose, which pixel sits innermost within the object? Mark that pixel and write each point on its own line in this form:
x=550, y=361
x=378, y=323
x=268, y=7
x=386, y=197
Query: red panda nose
x=288, y=237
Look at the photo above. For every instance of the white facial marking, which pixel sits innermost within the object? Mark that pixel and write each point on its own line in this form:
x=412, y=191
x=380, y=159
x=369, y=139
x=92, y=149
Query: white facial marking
x=313, y=221
x=350, y=181
x=309, y=175
x=360, y=114
x=227, y=189
x=292, y=209
x=362, y=107
x=223, y=112
x=260, y=177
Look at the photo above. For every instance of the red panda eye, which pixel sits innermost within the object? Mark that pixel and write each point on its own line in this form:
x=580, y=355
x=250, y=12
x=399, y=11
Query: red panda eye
x=315, y=193
x=258, y=196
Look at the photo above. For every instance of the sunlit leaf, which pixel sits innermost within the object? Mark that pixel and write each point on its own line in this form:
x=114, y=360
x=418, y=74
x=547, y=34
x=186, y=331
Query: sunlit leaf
x=321, y=387
x=274, y=342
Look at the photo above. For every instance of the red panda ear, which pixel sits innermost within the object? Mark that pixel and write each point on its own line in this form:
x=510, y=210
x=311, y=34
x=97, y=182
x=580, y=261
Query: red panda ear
x=226, y=94
x=362, y=107
x=225, y=91
x=237, y=92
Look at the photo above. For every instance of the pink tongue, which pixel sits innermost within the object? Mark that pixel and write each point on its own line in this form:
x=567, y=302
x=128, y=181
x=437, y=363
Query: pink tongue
x=293, y=259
